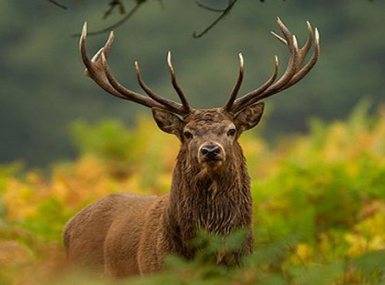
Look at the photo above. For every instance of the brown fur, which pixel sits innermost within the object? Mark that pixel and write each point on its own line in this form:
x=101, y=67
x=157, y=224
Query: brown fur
x=130, y=234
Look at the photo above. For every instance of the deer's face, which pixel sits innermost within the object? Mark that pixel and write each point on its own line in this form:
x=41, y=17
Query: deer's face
x=209, y=136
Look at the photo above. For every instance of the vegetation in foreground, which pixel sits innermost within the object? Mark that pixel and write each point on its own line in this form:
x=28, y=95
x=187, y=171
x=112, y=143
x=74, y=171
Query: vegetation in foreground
x=318, y=203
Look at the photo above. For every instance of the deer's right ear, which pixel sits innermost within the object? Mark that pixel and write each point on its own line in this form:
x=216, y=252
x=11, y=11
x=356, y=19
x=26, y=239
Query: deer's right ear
x=167, y=121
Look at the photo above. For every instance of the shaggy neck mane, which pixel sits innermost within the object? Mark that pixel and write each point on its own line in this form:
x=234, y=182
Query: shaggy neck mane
x=216, y=202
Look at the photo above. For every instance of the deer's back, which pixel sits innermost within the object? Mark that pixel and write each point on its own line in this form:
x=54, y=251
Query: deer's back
x=107, y=232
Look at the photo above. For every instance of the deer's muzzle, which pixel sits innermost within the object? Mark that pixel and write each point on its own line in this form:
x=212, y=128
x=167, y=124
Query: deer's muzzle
x=211, y=153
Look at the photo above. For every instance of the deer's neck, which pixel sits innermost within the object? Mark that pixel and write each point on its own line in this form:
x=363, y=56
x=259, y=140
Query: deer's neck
x=217, y=202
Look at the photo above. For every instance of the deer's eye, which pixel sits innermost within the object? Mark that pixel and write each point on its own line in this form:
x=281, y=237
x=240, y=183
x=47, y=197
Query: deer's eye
x=231, y=132
x=188, y=135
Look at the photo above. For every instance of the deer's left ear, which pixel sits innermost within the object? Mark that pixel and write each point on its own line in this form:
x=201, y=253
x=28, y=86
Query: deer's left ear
x=167, y=121
x=249, y=117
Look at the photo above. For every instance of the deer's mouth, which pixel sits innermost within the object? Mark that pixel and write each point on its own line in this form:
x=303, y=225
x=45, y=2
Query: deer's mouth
x=211, y=159
x=212, y=163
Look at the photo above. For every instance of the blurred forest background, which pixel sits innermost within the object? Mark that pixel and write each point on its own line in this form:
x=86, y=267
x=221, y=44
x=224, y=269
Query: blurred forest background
x=43, y=89
x=317, y=160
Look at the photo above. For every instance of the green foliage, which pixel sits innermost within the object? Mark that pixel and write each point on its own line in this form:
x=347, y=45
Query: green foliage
x=319, y=210
x=109, y=140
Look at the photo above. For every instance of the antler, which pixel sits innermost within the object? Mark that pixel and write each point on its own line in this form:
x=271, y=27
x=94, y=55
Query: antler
x=98, y=70
x=295, y=70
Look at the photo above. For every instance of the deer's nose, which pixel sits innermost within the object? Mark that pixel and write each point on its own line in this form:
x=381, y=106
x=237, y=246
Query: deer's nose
x=210, y=151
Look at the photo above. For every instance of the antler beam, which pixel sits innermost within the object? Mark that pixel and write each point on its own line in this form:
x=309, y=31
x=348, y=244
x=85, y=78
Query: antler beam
x=295, y=70
x=98, y=70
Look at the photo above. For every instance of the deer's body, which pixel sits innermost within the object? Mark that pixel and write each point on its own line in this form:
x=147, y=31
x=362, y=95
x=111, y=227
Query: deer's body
x=90, y=237
x=128, y=234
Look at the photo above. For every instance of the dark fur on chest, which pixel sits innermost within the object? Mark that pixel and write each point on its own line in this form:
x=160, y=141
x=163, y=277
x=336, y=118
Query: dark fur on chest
x=217, y=203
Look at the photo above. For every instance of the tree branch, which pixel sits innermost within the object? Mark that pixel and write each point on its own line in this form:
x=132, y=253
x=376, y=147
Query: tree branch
x=203, y=6
x=58, y=4
x=113, y=4
x=117, y=24
x=216, y=21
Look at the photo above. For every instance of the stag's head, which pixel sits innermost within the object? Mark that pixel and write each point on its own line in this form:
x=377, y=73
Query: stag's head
x=208, y=136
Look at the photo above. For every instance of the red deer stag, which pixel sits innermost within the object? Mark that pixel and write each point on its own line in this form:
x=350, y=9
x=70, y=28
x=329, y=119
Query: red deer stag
x=129, y=234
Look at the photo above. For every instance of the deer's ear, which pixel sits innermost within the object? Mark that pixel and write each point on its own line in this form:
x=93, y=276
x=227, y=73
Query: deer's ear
x=167, y=121
x=249, y=117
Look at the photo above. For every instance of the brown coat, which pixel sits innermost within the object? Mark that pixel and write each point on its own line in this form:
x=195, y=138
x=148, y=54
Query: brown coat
x=129, y=234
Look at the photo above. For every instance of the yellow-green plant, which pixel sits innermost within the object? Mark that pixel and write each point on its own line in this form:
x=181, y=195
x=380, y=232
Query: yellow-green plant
x=319, y=204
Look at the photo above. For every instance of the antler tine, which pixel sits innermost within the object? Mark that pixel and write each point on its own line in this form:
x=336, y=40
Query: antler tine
x=93, y=67
x=106, y=48
x=302, y=54
x=309, y=65
x=292, y=65
x=281, y=39
x=306, y=47
x=244, y=101
x=126, y=93
x=183, y=99
x=237, y=85
x=272, y=86
x=172, y=105
x=294, y=72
